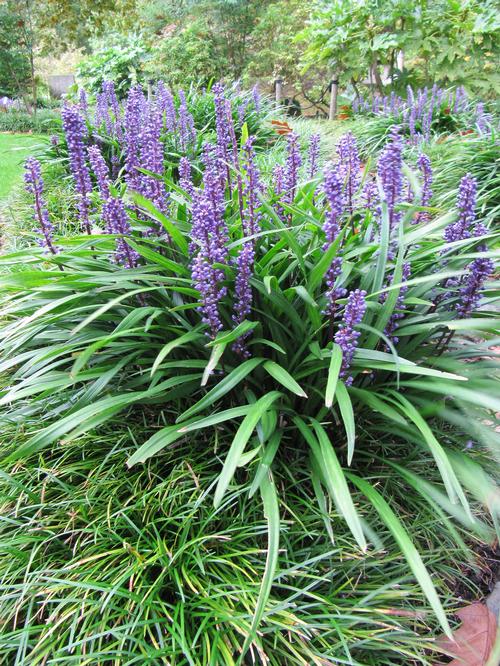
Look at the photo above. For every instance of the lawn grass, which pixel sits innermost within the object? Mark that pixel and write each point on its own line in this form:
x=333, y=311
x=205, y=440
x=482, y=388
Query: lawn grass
x=14, y=148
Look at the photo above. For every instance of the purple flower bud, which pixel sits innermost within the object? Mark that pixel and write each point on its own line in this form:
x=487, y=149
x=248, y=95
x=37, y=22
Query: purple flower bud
x=466, y=204
x=75, y=130
x=292, y=166
x=187, y=131
x=100, y=169
x=347, y=336
x=34, y=186
x=166, y=106
x=108, y=89
x=331, y=227
x=116, y=221
x=242, y=109
x=185, y=179
x=209, y=234
x=390, y=165
x=133, y=124
x=256, y=98
x=221, y=126
x=370, y=197
x=424, y=165
x=243, y=293
x=349, y=168
x=102, y=116
x=83, y=102
x=470, y=293
x=151, y=158
x=313, y=156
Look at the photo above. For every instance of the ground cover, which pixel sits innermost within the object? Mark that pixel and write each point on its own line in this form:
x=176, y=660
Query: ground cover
x=14, y=148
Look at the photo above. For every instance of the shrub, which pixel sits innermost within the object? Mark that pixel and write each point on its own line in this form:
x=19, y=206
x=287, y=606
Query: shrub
x=118, y=59
x=307, y=319
x=43, y=122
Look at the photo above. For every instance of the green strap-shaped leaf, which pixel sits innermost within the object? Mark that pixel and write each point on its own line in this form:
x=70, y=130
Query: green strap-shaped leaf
x=284, y=378
x=271, y=512
x=225, y=337
x=452, y=484
x=347, y=414
x=239, y=442
x=405, y=543
x=215, y=356
x=333, y=374
x=332, y=475
x=266, y=461
x=190, y=336
x=223, y=387
x=336, y=483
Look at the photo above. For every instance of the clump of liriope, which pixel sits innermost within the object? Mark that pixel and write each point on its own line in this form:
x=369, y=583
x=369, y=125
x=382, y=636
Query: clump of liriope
x=311, y=315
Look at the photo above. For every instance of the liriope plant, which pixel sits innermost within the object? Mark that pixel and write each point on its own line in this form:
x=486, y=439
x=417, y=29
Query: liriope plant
x=316, y=314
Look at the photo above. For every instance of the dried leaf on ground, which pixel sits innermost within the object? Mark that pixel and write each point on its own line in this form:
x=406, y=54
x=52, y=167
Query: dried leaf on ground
x=473, y=639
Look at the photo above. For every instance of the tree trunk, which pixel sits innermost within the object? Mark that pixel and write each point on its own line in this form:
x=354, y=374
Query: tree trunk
x=334, y=89
x=376, y=74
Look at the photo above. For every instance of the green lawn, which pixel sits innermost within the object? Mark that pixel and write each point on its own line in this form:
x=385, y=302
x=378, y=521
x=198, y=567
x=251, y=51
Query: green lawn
x=14, y=148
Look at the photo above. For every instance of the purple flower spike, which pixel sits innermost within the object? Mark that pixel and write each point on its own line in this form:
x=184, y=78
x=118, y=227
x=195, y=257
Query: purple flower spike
x=221, y=126
x=75, y=130
x=466, y=204
x=335, y=198
x=185, y=179
x=257, y=101
x=100, y=169
x=246, y=257
x=83, y=102
x=390, y=172
x=349, y=167
x=252, y=188
x=292, y=166
x=424, y=165
x=166, y=106
x=313, y=156
x=370, y=197
x=209, y=234
x=243, y=293
x=151, y=158
x=331, y=227
x=470, y=293
x=134, y=110
x=116, y=220
x=34, y=186
x=347, y=336
x=102, y=116
x=108, y=88
x=187, y=131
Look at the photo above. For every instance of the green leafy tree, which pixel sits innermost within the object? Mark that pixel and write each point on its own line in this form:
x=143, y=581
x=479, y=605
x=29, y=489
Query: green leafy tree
x=445, y=40
x=17, y=47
